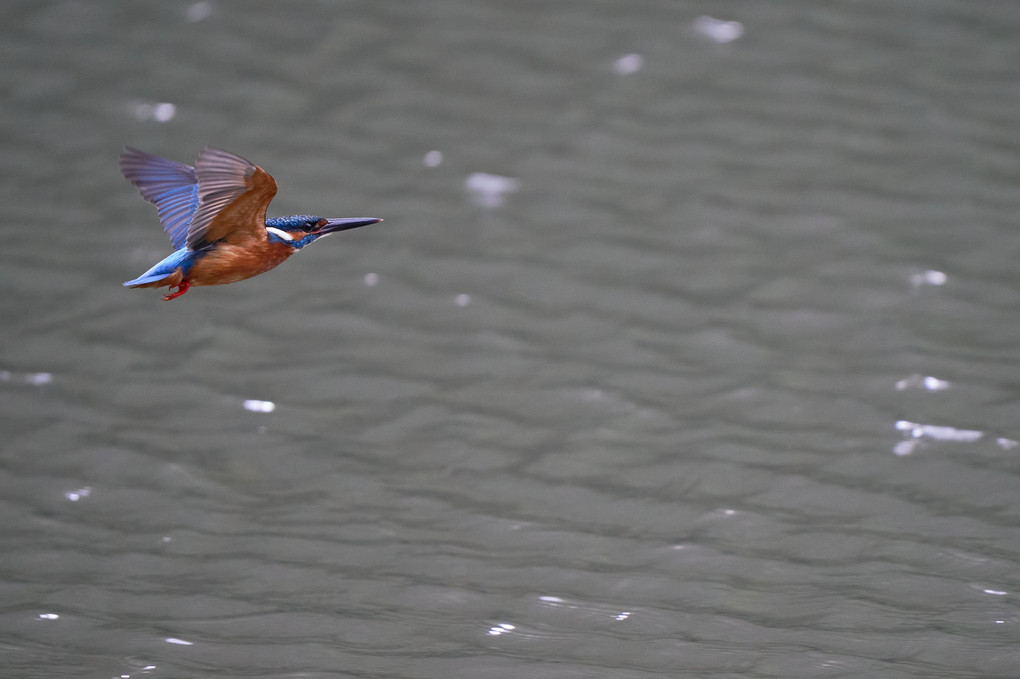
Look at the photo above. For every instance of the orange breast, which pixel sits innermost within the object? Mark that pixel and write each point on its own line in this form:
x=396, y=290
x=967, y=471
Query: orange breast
x=231, y=263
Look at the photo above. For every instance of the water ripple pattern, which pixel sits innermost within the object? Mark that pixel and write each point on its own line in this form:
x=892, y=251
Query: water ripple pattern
x=687, y=347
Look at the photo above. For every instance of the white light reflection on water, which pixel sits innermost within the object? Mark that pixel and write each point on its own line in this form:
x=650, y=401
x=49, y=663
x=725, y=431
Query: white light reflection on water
x=501, y=628
x=930, y=277
x=718, y=30
x=918, y=432
x=161, y=112
x=628, y=63
x=256, y=406
x=145, y=669
x=926, y=382
x=557, y=602
x=78, y=494
x=34, y=379
x=938, y=432
x=490, y=190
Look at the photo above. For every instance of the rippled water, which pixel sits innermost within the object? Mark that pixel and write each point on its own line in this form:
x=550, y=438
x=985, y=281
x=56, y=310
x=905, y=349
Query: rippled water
x=686, y=348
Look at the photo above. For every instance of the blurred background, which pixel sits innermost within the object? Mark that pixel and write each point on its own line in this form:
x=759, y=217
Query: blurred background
x=688, y=346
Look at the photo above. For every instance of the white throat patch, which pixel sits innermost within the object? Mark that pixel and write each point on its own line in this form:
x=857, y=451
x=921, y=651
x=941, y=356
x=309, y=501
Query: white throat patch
x=279, y=232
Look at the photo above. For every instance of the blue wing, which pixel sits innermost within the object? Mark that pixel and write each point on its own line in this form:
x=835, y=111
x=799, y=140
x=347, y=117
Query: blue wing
x=171, y=186
x=182, y=259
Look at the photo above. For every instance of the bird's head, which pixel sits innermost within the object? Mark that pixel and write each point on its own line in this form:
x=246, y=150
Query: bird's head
x=298, y=231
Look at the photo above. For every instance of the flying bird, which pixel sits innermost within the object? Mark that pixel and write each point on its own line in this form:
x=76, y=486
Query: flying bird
x=215, y=215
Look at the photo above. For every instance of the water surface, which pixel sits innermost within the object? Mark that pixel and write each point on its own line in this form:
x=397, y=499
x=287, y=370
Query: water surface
x=713, y=376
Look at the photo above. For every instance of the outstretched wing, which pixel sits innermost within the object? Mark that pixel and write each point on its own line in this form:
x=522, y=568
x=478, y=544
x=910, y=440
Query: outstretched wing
x=233, y=195
x=171, y=186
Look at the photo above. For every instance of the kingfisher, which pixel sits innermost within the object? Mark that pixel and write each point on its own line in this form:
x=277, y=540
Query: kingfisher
x=215, y=215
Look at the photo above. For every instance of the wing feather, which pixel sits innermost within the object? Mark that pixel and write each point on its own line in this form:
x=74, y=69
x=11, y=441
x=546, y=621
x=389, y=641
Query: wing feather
x=233, y=196
x=171, y=186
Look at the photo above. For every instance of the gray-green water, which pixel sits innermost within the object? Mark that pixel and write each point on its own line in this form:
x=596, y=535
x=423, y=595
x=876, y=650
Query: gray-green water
x=727, y=387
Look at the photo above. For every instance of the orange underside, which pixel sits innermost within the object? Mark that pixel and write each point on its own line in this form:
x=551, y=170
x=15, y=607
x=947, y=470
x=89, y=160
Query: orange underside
x=229, y=264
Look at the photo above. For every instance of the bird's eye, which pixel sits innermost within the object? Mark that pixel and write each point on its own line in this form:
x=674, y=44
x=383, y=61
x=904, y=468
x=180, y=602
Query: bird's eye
x=311, y=226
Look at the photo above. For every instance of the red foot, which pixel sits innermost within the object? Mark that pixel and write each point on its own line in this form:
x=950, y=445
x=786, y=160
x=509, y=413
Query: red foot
x=181, y=289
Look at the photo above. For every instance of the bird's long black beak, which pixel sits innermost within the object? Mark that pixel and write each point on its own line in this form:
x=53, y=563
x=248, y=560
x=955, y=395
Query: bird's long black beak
x=344, y=223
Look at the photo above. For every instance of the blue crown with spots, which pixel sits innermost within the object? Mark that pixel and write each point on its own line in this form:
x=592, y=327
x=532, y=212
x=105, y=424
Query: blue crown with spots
x=291, y=222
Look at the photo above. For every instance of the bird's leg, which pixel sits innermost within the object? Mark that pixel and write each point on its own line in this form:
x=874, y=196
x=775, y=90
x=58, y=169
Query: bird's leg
x=182, y=288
